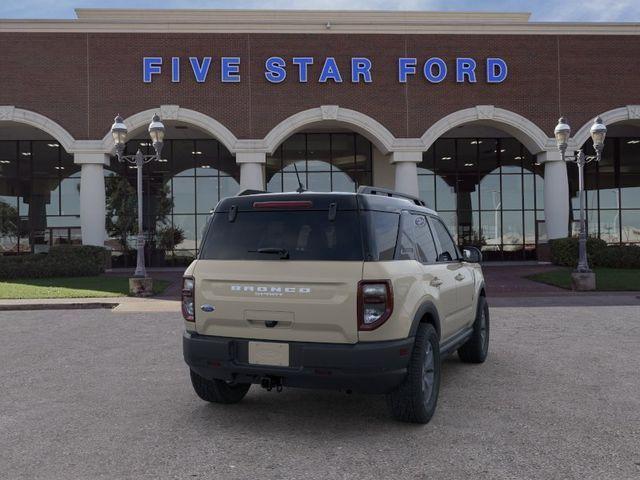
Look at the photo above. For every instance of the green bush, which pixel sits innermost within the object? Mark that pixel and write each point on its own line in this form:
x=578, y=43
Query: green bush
x=565, y=252
x=179, y=260
x=618, y=256
x=62, y=261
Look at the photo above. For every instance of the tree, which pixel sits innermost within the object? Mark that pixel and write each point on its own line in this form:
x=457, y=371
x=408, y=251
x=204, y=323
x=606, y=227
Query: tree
x=168, y=237
x=122, y=208
x=8, y=220
x=122, y=205
x=9, y=225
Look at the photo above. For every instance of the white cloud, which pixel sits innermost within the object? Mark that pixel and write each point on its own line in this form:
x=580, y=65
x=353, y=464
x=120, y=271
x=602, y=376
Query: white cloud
x=589, y=11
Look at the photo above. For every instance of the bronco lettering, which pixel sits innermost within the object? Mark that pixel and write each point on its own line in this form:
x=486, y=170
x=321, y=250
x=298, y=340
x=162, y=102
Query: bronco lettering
x=269, y=289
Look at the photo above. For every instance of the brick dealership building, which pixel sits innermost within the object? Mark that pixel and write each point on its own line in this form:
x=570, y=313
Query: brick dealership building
x=457, y=108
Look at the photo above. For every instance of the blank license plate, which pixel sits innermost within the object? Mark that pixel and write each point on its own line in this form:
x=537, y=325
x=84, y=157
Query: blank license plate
x=268, y=353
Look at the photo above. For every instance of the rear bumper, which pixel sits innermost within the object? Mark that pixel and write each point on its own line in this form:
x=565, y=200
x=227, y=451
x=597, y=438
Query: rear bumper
x=372, y=367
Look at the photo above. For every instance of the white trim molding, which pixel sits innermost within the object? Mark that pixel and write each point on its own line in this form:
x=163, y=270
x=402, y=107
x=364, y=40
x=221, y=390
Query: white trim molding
x=373, y=130
x=9, y=113
x=310, y=21
x=621, y=114
x=180, y=114
x=527, y=132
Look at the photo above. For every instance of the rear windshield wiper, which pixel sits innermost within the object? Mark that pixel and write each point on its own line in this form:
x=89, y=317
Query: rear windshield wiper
x=283, y=252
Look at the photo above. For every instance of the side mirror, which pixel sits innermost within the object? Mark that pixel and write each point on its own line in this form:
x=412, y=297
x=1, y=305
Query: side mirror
x=472, y=254
x=444, y=257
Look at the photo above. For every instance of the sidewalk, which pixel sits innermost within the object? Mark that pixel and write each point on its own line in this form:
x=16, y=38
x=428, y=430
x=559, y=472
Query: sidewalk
x=506, y=280
x=117, y=304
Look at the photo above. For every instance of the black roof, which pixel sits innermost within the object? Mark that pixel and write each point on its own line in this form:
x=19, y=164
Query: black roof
x=322, y=200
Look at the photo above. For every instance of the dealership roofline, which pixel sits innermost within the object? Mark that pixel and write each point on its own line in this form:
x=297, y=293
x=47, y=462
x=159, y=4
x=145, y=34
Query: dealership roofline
x=310, y=21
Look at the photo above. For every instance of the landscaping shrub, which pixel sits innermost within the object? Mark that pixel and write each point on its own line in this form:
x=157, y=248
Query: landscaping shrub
x=61, y=261
x=565, y=252
x=618, y=256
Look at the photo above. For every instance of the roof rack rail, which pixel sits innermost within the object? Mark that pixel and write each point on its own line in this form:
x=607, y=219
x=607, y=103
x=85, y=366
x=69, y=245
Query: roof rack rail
x=390, y=193
x=249, y=191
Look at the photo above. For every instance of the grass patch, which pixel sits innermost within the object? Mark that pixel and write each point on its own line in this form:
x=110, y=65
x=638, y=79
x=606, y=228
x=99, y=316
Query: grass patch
x=607, y=279
x=72, y=287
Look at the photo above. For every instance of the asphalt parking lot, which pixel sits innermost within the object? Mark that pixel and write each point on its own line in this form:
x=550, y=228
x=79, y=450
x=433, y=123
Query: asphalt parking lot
x=96, y=394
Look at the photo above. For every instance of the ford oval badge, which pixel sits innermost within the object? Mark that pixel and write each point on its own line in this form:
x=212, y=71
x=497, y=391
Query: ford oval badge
x=207, y=308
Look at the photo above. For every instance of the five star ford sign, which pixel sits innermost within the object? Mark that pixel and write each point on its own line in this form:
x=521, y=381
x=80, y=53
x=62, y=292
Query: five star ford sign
x=361, y=69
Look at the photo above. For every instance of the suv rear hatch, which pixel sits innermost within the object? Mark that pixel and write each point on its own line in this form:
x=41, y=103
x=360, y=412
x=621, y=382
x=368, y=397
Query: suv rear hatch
x=281, y=267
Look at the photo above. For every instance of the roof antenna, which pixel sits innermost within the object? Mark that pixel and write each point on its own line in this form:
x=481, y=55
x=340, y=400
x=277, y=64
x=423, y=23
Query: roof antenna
x=300, y=188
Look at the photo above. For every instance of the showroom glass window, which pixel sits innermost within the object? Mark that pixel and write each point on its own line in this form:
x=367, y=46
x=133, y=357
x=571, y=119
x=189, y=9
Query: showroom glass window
x=612, y=189
x=488, y=191
x=325, y=161
x=39, y=196
x=194, y=174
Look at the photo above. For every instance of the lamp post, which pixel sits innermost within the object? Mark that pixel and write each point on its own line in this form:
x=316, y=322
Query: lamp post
x=156, y=132
x=583, y=278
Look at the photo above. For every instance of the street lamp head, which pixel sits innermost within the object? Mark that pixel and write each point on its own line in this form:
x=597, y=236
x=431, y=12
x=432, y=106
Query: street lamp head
x=156, y=132
x=119, y=133
x=598, y=132
x=562, y=133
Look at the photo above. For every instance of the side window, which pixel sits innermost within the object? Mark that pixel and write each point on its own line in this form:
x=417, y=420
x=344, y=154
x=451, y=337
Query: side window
x=384, y=233
x=426, y=248
x=405, y=249
x=415, y=241
x=449, y=250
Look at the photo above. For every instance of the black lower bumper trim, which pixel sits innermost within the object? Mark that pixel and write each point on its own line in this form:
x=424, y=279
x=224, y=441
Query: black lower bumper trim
x=371, y=367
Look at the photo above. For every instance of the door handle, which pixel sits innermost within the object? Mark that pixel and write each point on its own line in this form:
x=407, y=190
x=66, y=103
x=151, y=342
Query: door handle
x=435, y=282
x=459, y=277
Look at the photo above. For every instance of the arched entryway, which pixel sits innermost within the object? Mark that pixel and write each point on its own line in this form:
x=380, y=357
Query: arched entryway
x=332, y=148
x=488, y=188
x=39, y=184
x=481, y=173
x=179, y=192
x=613, y=185
x=326, y=160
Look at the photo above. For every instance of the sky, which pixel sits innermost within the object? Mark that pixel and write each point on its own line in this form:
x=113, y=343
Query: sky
x=542, y=10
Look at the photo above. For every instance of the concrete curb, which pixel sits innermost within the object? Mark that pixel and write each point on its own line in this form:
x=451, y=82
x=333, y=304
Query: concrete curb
x=57, y=306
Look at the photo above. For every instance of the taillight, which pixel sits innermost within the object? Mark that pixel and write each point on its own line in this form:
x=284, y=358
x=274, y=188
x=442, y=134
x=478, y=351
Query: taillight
x=188, y=305
x=375, y=303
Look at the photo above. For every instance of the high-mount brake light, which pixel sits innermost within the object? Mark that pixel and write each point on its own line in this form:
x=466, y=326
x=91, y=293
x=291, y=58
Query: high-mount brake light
x=188, y=300
x=284, y=204
x=375, y=303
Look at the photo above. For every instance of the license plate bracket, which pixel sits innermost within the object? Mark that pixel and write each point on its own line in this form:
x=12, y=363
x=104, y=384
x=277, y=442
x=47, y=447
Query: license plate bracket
x=269, y=353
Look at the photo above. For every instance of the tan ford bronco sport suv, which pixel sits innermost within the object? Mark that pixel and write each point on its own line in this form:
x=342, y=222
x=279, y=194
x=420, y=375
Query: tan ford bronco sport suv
x=360, y=292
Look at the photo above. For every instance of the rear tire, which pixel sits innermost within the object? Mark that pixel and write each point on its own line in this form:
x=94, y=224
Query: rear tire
x=218, y=391
x=476, y=349
x=416, y=398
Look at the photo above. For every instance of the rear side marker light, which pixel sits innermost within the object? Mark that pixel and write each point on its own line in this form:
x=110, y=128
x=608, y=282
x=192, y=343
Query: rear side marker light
x=375, y=303
x=284, y=204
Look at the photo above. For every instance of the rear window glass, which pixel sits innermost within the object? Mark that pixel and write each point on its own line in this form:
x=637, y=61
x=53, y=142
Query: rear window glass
x=267, y=235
